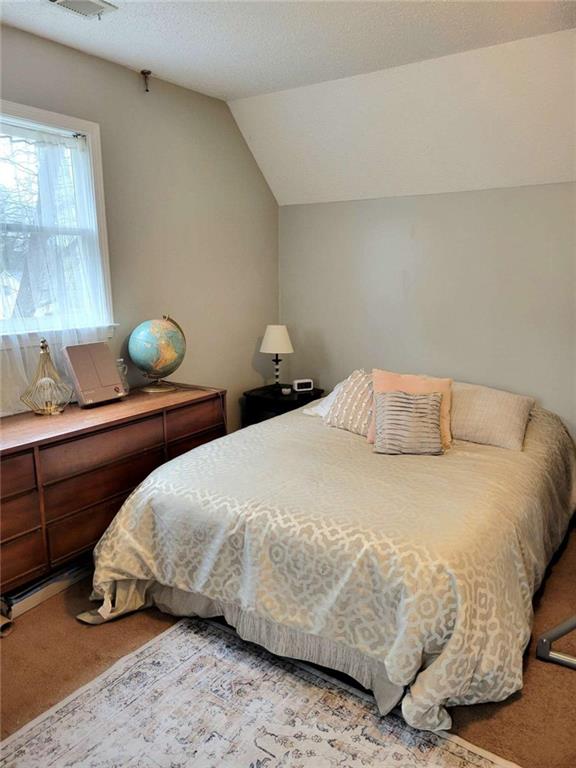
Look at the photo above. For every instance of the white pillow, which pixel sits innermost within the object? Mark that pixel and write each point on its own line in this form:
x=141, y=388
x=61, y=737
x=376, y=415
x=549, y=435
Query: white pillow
x=323, y=406
x=489, y=416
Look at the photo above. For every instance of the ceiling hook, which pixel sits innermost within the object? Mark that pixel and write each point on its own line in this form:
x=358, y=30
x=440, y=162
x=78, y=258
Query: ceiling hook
x=146, y=74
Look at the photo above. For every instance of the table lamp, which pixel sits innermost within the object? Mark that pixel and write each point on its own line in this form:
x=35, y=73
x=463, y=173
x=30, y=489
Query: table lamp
x=276, y=341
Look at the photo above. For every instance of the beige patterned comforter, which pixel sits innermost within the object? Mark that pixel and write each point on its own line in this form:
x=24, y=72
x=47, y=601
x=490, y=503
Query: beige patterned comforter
x=422, y=567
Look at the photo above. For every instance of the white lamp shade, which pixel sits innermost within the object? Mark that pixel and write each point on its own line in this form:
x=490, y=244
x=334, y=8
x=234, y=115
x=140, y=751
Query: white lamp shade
x=276, y=341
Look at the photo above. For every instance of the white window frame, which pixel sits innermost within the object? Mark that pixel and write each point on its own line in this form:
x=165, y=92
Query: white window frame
x=91, y=131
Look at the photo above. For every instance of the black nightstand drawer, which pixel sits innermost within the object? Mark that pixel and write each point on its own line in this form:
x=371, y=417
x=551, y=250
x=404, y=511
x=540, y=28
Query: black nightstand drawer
x=254, y=415
x=266, y=402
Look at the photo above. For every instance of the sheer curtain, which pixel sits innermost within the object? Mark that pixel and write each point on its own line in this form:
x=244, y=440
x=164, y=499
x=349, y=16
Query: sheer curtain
x=53, y=282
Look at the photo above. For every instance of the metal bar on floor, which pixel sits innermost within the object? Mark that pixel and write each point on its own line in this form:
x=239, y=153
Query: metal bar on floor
x=544, y=649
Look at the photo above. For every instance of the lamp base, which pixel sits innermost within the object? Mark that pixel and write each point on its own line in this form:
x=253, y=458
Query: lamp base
x=276, y=360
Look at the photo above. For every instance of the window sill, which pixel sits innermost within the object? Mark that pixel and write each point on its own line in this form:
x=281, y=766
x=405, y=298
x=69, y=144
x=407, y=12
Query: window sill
x=26, y=339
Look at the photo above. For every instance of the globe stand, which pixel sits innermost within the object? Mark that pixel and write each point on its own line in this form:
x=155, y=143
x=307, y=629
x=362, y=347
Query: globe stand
x=159, y=386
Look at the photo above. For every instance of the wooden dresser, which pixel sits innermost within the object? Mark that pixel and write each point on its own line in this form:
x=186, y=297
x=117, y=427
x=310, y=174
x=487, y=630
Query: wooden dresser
x=64, y=477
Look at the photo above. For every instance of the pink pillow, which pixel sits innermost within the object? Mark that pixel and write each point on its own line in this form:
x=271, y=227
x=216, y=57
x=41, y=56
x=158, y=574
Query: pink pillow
x=385, y=381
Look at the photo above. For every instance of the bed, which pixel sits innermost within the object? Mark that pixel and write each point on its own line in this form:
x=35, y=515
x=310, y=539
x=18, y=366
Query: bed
x=412, y=574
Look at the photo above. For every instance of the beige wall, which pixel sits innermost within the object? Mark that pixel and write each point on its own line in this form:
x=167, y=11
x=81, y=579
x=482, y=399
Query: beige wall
x=192, y=224
x=480, y=286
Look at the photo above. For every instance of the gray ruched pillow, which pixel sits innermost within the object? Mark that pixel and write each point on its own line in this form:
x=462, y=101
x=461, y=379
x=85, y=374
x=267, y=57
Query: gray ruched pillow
x=407, y=423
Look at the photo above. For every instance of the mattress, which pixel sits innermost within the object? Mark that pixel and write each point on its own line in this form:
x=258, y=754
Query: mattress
x=413, y=574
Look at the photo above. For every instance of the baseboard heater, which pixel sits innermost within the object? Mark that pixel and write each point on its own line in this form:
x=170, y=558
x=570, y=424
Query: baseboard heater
x=18, y=602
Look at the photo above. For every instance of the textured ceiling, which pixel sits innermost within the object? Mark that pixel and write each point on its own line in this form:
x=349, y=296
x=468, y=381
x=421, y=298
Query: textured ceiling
x=237, y=49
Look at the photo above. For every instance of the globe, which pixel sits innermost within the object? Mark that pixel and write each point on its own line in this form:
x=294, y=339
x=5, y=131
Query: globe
x=157, y=348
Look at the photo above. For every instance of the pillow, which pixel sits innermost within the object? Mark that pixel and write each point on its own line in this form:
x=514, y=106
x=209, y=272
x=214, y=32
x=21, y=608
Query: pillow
x=323, y=406
x=490, y=416
x=407, y=423
x=385, y=381
x=352, y=406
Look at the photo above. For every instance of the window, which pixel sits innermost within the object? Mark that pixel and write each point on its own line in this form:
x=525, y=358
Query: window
x=53, y=254
x=54, y=276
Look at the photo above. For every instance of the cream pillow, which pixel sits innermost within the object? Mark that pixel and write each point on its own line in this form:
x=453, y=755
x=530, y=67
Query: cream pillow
x=352, y=406
x=489, y=416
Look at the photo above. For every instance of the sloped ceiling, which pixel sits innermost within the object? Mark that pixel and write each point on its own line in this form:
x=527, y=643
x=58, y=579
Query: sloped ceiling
x=502, y=116
x=355, y=100
x=236, y=49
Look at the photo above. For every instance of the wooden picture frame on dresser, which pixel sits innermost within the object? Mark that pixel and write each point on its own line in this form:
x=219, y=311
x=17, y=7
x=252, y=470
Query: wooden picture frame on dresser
x=64, y=477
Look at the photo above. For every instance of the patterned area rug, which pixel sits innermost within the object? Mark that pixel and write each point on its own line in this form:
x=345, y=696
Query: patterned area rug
x=199, y=696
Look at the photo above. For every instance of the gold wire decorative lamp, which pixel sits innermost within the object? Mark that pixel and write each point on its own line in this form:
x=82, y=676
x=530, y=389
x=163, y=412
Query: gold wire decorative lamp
x=47, y=395
x=276, y=341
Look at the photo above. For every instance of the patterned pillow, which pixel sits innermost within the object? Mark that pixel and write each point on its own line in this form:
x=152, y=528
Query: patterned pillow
x=352, y=406
x=407, y=423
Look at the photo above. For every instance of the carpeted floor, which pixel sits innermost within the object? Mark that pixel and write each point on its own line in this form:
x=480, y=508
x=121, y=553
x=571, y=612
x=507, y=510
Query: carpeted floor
x=49, y=654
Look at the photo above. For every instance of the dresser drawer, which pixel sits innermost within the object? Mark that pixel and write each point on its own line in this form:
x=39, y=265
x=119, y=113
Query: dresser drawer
x=19, y=514
x=21, y=557
x=193, y=418
x=187, y=443
x=104, y=447
x=76, y=533
x=17, y=473
x=85, y=490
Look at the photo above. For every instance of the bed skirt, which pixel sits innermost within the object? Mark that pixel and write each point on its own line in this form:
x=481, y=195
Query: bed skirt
x=283, y=641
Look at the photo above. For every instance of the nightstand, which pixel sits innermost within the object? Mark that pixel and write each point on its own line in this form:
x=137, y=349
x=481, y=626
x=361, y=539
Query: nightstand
x=266, y=402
